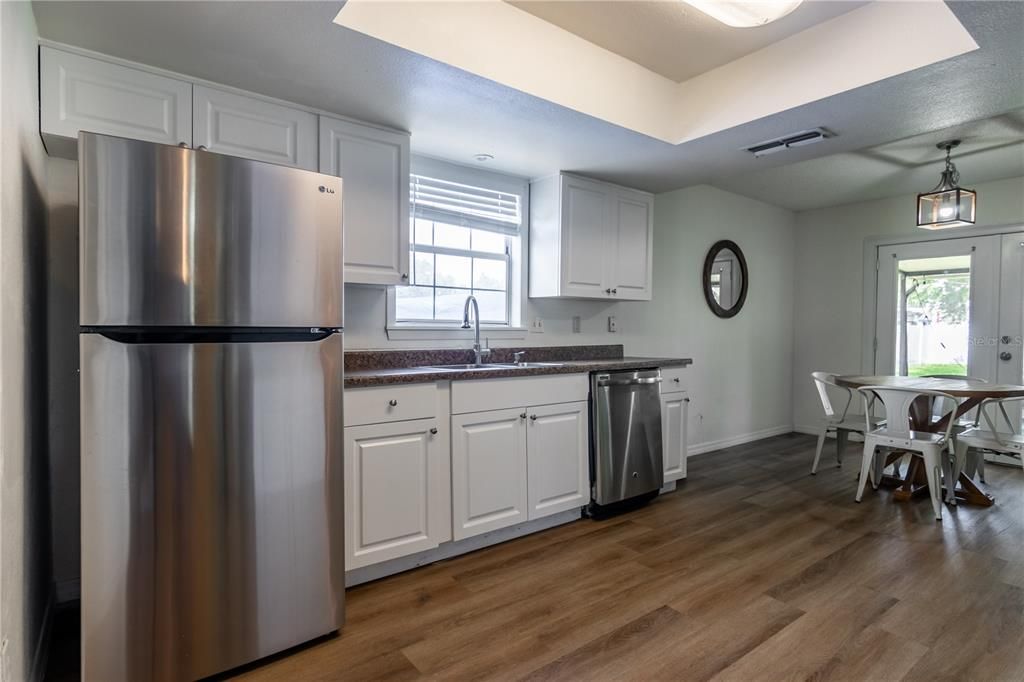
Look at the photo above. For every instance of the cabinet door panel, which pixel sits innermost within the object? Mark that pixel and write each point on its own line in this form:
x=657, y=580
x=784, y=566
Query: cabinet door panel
x=80, y=93
x=395, y=494
x=374, y=167
x=632, y=222
x=227, y=123
x=584, y=238
x=488, y=471
x=557, y=451
x=673, y=424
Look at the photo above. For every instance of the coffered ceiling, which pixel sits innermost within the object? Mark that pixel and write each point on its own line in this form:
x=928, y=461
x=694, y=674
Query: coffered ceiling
x=293, y=51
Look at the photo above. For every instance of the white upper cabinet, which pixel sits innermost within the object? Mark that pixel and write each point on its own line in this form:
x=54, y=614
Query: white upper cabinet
x=228, y=123
x=374, y=167
x=631, y=227
x=590, y=239
x=557, y=458
x=79, y=93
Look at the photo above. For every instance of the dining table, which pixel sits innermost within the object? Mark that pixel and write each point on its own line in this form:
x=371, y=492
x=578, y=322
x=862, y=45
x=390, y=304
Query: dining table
x=969, y=394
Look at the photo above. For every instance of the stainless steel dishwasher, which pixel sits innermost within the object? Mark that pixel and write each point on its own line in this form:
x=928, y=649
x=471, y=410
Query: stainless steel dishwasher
x=625, y=438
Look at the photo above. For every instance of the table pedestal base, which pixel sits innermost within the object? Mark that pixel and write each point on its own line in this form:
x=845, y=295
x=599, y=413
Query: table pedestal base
x=915, y=484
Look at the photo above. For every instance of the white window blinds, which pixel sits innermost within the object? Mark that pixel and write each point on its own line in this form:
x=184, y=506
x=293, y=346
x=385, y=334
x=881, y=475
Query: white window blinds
x=457, y=204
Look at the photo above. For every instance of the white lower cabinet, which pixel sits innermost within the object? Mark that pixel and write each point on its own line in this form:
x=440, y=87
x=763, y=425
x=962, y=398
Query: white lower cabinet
x=489, y=484
x=516, y=465
x=673, y=440
x=397, y=497
x=556, y=458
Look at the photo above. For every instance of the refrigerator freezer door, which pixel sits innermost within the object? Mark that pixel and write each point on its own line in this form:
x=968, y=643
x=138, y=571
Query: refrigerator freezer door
x=176, y=237
x=212, y=530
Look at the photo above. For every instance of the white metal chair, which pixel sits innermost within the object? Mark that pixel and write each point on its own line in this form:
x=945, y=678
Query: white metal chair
x=842, y=423
x=1007, y=441
x=934, y=448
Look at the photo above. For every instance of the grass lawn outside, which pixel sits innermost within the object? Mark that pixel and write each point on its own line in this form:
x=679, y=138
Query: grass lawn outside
x=923, y=370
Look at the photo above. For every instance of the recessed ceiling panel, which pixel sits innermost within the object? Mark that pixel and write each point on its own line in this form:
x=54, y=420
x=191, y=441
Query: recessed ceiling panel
x=670, y=37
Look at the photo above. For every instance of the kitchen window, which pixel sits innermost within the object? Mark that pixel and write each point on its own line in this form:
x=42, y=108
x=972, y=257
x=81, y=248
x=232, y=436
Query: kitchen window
x=467, y=233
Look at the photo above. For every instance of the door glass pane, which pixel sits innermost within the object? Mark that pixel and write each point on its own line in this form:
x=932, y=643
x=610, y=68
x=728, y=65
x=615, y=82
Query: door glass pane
x=933, y=315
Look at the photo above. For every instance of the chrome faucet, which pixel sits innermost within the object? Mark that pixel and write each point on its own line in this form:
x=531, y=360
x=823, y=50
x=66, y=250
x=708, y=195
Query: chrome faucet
x=478, y=352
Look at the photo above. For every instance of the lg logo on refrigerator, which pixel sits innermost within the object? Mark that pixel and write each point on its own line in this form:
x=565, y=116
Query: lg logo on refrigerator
x=326, y=190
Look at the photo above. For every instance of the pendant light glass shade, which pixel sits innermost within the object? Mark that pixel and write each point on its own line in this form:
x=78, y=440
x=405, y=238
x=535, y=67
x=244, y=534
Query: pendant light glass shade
x=948, y=205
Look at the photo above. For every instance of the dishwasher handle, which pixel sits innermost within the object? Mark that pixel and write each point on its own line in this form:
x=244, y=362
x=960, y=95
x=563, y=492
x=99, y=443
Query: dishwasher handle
x=605, y=381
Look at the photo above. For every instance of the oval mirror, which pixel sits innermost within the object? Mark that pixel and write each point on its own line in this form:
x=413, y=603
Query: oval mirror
x=725, y=278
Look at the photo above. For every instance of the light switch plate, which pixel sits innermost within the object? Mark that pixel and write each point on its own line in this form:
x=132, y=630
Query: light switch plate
x=613, y=326
x=576, y=324
x=538, y=325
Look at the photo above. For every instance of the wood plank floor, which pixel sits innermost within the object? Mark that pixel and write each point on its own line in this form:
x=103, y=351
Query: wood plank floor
x=752, y=570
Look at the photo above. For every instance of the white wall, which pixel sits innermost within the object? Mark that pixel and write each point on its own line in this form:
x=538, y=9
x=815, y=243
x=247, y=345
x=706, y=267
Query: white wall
x=829, y=281
x=25, y=564
x=741, y=377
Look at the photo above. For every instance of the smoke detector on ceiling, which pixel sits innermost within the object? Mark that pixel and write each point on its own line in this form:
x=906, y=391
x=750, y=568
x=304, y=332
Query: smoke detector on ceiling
x=800, y=139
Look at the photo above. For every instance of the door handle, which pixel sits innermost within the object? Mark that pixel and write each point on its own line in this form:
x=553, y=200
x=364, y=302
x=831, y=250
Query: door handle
x=1006, y=356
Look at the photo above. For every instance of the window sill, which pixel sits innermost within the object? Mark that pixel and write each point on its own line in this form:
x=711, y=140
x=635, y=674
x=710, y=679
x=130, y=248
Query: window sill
x=416, y=332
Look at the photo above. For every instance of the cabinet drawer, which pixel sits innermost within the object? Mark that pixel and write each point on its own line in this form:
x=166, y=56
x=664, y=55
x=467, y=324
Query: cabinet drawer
x=673, y=379
x=390, y=403
x=497, y=394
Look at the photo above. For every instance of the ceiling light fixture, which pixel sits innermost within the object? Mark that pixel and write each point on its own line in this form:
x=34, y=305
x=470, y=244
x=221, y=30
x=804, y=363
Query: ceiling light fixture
x=483, y=158
x=745, y=13
x=948, y=205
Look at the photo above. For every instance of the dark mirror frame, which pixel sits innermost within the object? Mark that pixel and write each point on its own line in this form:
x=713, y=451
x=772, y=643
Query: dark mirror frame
x=709, y=262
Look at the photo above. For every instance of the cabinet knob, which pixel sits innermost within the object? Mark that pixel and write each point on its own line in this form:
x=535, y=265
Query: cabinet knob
x=676, y=379
x=405, y=275
x=202, y=148
x=608, y=291
x=686, y=400
x=1006, y=356
x=183, y=145
x=433, y=431
x=615, y=291
x=522, y=416
x=533, y=417
x=393, y=403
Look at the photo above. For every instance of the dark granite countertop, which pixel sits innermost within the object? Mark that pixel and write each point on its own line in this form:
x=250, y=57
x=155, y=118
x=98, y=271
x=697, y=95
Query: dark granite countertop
x=380, y=368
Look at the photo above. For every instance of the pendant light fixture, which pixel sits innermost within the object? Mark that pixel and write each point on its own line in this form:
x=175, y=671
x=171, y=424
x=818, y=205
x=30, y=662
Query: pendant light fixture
x=948, y=205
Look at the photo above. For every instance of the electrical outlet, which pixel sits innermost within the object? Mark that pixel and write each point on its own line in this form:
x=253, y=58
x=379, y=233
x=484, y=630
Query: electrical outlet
x=613, y=326
x=538, y=325
x=576, y=324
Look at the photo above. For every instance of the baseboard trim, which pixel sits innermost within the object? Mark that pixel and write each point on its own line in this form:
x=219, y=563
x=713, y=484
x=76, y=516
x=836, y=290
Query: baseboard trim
x=711, y=445
x=41, y=655
x=447, y=550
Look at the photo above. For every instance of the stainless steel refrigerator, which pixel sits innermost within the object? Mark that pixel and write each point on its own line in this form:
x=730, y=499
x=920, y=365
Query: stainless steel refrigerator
x=211, y=406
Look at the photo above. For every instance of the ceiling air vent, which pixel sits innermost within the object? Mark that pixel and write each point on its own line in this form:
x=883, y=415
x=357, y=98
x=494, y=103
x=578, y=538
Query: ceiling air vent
x=804, y=137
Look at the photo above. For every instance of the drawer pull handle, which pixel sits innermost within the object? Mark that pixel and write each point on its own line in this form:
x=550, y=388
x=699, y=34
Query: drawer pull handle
x=433, y=431
x=393, y=403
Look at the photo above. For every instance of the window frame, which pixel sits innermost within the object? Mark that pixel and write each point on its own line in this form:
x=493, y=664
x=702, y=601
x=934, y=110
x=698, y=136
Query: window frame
x=517, y=266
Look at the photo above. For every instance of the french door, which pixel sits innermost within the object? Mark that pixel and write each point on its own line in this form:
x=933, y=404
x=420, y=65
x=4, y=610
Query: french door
x=951, y=306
